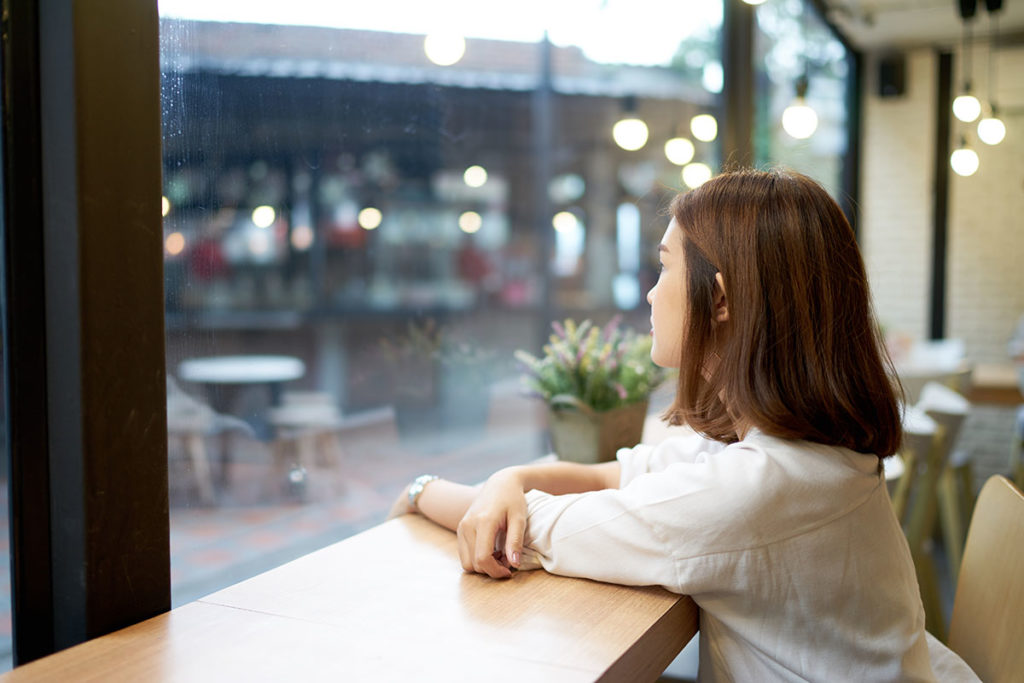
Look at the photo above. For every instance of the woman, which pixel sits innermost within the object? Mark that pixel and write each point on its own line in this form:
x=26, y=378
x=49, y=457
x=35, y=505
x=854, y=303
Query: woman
x=772, y=513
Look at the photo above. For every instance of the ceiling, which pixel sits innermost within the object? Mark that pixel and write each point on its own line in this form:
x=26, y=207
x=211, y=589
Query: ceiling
x=883, y=24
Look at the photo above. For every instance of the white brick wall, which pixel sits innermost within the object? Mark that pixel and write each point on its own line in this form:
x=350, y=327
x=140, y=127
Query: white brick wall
x=897, y=141
x=986, y=222
x=985, y=269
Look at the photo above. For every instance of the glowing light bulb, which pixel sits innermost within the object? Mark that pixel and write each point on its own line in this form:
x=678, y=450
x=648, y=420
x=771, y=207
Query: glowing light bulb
x=966, y=107
x=175, y=243
x=696, y=174
x=630, y=134
x=565, y=221
x=444, y=49
x=991, y=130
x=370, y=218
x=475, y=176
x=704, y=127
x=964, y=161
x=302, y=237
x=800, y=120
x=263, y=216
x=679, y=151
x=165, y=206
x=470, y=222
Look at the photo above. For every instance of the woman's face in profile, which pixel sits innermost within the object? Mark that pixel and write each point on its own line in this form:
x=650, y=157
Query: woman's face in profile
x=667, y=300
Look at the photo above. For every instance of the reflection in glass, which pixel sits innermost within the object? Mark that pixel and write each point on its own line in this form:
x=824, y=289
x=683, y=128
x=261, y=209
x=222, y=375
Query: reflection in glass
x=391, y=223
x=801, y=81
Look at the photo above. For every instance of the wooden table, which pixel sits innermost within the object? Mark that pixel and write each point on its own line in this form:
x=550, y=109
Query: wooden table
x=392, y=604
x=221, y=374
x=996, y=383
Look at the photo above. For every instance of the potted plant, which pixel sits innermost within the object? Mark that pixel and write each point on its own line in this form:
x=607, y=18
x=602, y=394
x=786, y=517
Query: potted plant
x=596, y=383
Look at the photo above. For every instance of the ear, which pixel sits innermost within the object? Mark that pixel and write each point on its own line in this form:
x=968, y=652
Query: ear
x=721, y=302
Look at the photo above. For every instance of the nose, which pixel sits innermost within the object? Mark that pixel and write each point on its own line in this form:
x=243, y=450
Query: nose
x=650, y=296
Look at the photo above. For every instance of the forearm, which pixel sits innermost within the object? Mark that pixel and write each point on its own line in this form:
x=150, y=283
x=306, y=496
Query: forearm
x=445, y=502
x=558, y=478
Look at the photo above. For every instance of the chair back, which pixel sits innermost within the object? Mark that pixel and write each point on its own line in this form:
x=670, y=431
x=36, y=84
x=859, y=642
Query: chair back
x=987, y=629
x=948, y=408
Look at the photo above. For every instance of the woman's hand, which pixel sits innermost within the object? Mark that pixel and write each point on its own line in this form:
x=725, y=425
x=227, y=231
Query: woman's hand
x=496, y=516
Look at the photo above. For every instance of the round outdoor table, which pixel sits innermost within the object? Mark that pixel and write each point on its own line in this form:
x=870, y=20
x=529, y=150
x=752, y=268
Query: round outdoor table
x=217, y=372
x=272, y=370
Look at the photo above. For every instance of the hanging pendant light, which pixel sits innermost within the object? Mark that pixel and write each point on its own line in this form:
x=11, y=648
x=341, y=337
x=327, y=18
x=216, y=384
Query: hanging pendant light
x=964, y=160
x=966, y=106
x=629, y=132
x=799, y=119
x=991, y=129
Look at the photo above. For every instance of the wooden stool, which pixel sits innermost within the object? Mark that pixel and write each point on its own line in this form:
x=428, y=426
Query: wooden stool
x=306, y=437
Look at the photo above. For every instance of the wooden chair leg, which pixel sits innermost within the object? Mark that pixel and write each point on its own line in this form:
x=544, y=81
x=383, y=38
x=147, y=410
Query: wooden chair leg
x=901, y=494
x=935, y=621
x=196, y=449
x=952, y=520
x=306, y=443
x=281, y=451
x=965, y=484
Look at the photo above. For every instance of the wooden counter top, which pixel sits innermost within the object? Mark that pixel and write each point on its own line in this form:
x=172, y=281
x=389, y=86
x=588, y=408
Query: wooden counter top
x=392, y=604
x=996, y=383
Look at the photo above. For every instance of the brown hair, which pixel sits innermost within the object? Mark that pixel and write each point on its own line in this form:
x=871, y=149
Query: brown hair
x=800, y=356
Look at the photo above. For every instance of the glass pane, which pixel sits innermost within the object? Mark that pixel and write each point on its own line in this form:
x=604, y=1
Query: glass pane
x=802, y=74
x=366, y=213
x=6, y=651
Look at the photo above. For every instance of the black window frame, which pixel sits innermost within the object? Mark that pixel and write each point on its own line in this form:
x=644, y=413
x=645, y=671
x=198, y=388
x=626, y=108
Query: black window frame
x=90, y=549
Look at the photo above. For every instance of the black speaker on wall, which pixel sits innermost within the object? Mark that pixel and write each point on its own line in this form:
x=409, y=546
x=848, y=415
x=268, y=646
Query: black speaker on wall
x=892, y=75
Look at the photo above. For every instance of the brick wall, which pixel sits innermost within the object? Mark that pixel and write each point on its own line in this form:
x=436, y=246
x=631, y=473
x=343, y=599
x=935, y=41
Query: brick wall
x=897, y=135
x=986, y=223
x=985, y=269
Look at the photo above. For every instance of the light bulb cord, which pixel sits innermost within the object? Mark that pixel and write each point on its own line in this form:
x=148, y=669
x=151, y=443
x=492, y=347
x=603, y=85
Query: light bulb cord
x=990, y=85
x=965, y=51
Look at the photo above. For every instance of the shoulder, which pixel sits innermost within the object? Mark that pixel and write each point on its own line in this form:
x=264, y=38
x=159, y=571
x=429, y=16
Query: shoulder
x=762, y=488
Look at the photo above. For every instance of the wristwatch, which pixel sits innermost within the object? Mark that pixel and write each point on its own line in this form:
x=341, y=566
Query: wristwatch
x=416, y=488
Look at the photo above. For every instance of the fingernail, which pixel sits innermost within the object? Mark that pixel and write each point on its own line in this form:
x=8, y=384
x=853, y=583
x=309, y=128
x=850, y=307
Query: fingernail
x=515, y=558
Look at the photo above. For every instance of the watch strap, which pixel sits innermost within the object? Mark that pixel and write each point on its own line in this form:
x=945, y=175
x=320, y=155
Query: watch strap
x=416, y=488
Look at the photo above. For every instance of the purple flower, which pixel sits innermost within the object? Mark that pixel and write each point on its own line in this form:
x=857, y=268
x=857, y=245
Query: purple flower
x=559, y=330
x=612, y=325
x=621, y=390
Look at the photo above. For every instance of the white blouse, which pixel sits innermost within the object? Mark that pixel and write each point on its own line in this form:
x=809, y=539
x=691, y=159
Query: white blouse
x=790, y=548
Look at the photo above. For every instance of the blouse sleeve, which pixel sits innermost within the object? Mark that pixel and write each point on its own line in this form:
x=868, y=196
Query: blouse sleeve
x=645, y=458
x=657, y=530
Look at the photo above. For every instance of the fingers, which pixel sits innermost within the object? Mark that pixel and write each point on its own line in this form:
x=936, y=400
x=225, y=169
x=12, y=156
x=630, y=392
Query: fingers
x=484, y=561
x=476, y=548
x=514, y=539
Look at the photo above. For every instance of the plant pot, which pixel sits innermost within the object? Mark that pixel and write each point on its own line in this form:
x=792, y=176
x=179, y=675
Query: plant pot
x=581, y=434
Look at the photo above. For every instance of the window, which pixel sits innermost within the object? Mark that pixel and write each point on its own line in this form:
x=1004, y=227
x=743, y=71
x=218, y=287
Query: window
x=803, y=75
x=386, y=206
